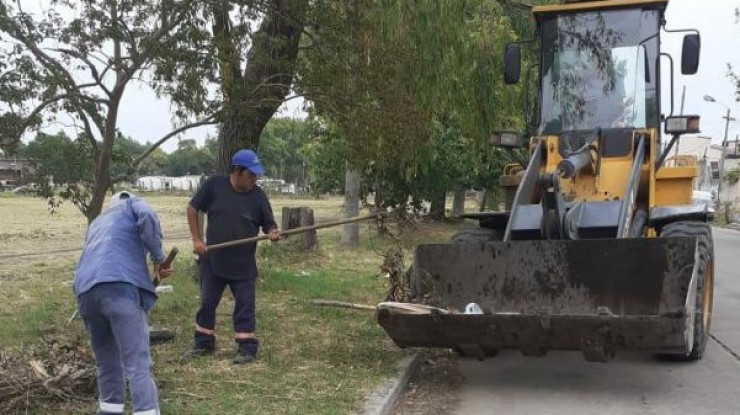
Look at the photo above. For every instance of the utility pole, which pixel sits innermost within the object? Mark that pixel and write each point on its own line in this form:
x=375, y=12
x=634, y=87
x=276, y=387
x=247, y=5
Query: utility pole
x=722, y=159
x=683, y=100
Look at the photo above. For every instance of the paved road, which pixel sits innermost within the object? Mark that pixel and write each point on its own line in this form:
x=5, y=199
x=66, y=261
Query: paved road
x=563, y=383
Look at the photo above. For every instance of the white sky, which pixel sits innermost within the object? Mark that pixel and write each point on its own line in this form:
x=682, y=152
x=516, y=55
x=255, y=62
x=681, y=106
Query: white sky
x=720, y=43
x=145, y=117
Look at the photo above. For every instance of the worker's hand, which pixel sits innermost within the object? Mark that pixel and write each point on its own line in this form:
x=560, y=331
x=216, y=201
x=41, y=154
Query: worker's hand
x=199, y=247
x=274, y=235
x=162, y=272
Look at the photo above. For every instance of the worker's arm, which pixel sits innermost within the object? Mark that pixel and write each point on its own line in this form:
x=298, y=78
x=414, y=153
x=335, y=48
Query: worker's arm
x=269, y=227
x=200, y=202
x=149, y=229
x=199, y=247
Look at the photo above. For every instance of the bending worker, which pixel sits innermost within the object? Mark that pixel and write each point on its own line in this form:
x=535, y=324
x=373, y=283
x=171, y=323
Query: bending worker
x=114, y=292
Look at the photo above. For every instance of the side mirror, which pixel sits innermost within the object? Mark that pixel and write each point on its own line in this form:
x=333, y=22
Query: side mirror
x=507, y=139
x=690, y=54
x=512, y=64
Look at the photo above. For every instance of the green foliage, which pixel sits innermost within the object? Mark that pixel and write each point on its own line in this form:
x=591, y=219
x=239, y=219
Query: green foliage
x=61, y=168
x=414, y=90
x=75, y=60
x=189, y=159
x=326, y=157
x=732, y=176
x=280, y=143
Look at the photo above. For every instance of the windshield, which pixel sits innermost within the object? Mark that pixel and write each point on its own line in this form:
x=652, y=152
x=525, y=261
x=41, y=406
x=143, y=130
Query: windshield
x=598, y=71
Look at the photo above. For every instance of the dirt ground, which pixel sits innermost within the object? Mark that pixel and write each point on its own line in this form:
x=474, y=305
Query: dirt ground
x=433, y=388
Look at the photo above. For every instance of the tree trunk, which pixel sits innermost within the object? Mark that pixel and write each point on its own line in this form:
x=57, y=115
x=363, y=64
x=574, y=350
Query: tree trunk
x=102, y=164
x=351, y=231
x=458, y=202
x=296, y=218
x=437, y=209
x=481, y=197
x=251, y=98
x=378, y=197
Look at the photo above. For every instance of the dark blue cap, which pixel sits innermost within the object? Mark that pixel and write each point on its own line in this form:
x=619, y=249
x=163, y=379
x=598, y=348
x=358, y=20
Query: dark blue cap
x=248, y=159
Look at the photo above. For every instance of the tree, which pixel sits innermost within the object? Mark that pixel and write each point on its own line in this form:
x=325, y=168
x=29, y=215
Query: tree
x=325, y=156
x=189, y=159
x=252, y=96
x=61, y=164
x=252, y=69
x=414, y=91
x=81, y=67
x=279, y=149
x=125, y=149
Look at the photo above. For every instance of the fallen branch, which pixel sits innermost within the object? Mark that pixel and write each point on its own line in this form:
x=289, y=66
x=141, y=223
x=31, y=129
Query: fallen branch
x=46, y=376
x=332, y=303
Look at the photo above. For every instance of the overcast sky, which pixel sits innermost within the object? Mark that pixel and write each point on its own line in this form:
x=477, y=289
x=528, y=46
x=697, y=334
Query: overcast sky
x=145, y=117
x=720, y=43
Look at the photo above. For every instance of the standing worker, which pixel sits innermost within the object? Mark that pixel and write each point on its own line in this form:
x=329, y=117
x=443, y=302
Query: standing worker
x=114, y=292
x=236, y=209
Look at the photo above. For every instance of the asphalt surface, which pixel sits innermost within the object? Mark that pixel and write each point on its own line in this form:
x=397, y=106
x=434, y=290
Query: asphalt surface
x=632, y=383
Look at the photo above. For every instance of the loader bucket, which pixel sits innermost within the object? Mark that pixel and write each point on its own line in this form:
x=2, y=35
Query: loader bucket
x=597, y=296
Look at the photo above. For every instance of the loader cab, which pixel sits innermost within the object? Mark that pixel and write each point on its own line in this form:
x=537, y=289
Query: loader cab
x=599, y=68
x=597, y=71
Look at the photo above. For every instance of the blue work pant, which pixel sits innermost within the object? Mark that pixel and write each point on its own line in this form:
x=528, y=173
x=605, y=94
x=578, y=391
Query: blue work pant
x=119, y=334
x=211, y=290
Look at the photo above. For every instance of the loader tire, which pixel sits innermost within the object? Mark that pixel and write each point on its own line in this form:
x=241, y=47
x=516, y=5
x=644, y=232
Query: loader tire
x=476, y=235
x=705, y=285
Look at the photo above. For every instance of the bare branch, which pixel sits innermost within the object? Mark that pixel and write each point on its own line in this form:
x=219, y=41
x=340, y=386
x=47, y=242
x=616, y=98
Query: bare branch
x=93, y=69
x=212, y=119
x=140, y=57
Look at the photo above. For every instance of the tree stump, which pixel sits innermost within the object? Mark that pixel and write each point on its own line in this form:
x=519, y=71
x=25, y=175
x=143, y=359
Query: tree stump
x=296, y=218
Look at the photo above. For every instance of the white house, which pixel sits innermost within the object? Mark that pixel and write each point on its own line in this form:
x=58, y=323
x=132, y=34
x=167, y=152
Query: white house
x=708, y=156
x=152, y=183
x=186, y=183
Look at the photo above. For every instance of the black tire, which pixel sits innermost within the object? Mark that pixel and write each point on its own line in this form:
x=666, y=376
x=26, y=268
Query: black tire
x=476, y=235
x=705, y=285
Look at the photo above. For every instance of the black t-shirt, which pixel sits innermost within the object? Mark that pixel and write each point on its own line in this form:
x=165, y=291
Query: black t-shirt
x=233, y=215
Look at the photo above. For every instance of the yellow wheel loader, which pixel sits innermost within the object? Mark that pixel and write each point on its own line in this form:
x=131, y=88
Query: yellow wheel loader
x=600, y=249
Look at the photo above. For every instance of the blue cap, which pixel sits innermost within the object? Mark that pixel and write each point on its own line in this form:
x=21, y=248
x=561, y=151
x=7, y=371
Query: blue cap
x=249, y=160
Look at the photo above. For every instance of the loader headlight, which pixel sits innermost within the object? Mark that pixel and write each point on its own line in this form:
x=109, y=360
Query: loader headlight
x=506, y=139
x=682, y=124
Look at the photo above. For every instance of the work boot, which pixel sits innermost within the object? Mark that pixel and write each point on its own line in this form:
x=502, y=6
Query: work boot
x=243, y=358
x=246, y=351
x=203, y=345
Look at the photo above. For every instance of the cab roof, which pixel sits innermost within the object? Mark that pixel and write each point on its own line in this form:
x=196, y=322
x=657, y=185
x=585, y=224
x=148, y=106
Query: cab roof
x=577, y=6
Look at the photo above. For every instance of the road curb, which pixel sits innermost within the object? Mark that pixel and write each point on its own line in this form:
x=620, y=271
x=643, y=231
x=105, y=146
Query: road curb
x=384, y=398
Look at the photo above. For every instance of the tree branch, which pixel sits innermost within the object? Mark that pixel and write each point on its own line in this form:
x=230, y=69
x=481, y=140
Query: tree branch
x=94, y=69
x=212, y=119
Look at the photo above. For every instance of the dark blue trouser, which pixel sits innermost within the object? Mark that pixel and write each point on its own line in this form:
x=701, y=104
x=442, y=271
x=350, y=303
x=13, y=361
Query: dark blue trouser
x=119, y=334
x=211, y=290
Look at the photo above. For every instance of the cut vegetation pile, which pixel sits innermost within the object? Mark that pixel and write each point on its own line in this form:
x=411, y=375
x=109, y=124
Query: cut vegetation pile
x=58, y=373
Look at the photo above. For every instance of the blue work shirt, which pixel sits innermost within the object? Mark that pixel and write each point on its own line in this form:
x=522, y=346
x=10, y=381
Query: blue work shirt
x=115, y=249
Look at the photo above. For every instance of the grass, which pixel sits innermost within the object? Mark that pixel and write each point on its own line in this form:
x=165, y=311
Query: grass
x=313, y=360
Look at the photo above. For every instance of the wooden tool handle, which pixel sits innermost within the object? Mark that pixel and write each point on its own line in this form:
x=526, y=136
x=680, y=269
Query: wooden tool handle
x=170, y=257
x=293, y=231
x=166, y=264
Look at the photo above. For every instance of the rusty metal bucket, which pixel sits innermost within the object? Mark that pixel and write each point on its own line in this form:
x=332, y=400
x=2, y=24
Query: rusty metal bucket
x=597, y=296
